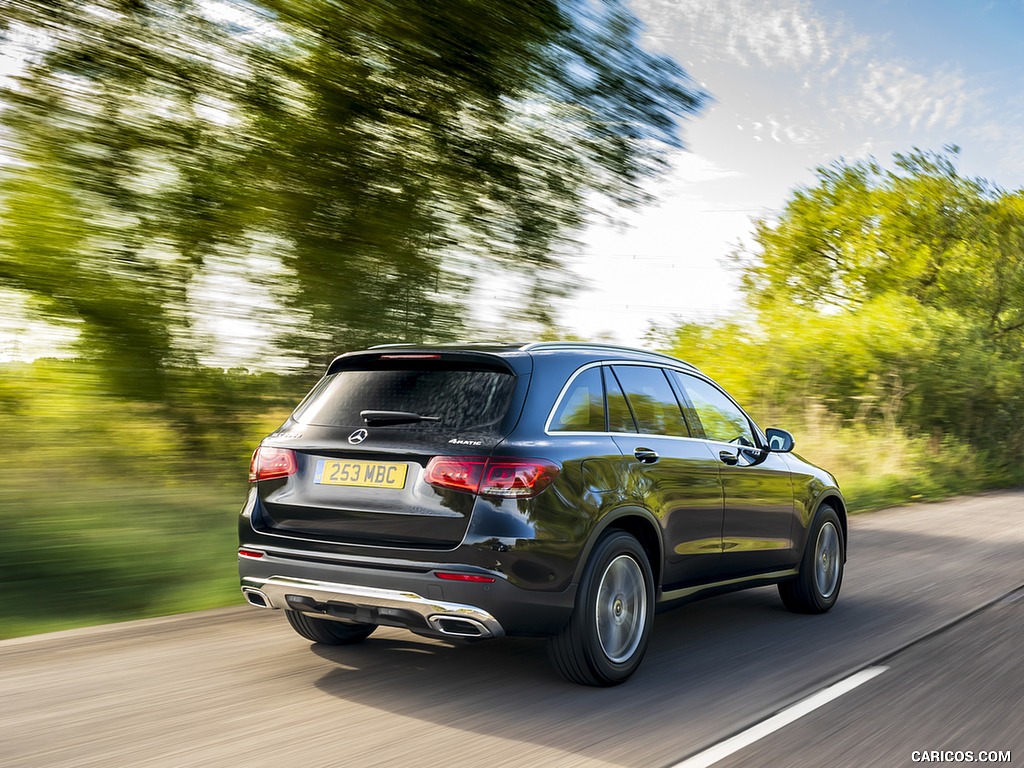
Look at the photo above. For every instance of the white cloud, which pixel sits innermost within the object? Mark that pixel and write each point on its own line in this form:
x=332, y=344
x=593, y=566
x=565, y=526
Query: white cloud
x=748, y=32
x=890, y=94
x=689, y=169
x=823, y=74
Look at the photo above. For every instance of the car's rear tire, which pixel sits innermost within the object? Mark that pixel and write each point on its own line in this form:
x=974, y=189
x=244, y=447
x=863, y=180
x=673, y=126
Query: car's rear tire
x=327, y=631
x=816, y=588
x=607, y=635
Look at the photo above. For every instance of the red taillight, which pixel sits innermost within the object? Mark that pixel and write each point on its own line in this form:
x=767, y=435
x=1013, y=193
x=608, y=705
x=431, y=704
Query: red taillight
x=255, y=554
x=269, y=463
x=517, y=478
x=508, y=478
x=459, y=473
x=465, y=577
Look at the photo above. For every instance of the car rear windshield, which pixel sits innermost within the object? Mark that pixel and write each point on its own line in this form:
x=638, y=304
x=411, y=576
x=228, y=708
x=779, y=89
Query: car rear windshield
x=464, y=398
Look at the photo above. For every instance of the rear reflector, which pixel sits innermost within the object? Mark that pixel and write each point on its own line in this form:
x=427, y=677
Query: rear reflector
x=464, y=577
x=255, y=554
x=270, y=463
x=506, y=478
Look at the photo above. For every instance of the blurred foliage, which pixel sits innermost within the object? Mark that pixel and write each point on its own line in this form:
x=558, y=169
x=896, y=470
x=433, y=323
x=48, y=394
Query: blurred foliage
x=889, y=362
x=111, y=514
x=368, y=158
x=402, y=135
x=919, y=230
x=879, y=467
x=115, y=182
x=889, y=305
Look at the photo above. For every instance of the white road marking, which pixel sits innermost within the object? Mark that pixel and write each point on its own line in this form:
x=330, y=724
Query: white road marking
x=723, y=749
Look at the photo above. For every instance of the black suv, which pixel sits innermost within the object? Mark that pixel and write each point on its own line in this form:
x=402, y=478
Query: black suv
x=550, y=489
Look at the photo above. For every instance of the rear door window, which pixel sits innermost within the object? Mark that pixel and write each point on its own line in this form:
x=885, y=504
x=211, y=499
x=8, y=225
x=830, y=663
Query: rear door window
x=465, y=399
x=620, y=419
x=653, y=402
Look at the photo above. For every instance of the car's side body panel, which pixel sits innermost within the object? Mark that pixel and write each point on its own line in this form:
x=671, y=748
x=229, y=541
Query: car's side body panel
x=759, y=513
x=683, y=490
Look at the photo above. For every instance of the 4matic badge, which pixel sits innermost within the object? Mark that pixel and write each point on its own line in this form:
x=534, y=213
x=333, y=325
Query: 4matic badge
x=460, y=441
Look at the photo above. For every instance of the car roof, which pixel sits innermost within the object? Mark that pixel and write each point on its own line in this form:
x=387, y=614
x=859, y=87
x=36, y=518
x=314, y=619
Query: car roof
x=599, y=351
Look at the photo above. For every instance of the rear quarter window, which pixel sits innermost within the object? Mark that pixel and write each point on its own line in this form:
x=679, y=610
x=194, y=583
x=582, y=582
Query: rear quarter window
x=581, y=409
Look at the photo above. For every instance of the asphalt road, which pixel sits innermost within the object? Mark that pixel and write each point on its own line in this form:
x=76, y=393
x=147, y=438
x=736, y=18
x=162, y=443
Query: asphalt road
x=237, y=687
x=960, y=691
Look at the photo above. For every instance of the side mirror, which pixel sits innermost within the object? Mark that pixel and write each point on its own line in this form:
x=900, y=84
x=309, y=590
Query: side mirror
x=779, y=440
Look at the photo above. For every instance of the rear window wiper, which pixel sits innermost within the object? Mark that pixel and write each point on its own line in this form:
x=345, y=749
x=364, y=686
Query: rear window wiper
x=385, y=418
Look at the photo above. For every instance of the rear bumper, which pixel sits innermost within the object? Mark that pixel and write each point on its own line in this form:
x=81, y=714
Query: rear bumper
x=371, y=605
x=408, y=595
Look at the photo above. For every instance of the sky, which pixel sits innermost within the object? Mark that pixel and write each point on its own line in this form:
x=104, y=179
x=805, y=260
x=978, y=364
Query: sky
x=796, y=85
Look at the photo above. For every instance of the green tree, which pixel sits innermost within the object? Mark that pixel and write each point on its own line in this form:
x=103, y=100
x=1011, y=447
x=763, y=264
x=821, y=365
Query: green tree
x=890, y=297
x=384, y=151
x=117, y=178
x=409, y=144
x=919, y=229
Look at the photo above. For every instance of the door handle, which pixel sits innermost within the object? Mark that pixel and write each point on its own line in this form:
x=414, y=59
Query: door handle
x=728, y=457
x=646, y=455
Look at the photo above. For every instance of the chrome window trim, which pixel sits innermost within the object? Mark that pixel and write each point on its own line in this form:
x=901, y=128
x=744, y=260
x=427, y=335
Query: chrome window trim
x=561, y=394
x=695, y=373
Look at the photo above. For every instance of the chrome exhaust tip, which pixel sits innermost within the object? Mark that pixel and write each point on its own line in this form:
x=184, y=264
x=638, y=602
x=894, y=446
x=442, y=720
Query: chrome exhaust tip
x=257, y=598
x=459, y=626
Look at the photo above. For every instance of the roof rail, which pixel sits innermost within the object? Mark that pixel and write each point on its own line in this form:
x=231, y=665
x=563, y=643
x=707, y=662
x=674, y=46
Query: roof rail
x=457, y=343
x=598, y=346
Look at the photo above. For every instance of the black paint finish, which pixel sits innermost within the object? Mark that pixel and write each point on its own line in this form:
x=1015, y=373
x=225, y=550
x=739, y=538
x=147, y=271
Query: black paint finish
x=706, y=512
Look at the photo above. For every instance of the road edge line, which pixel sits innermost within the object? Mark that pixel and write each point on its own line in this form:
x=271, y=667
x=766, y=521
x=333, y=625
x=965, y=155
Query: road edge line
x=790, y=714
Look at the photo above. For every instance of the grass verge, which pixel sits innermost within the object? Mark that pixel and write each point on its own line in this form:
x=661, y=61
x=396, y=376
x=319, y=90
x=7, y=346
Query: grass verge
x=102, y=553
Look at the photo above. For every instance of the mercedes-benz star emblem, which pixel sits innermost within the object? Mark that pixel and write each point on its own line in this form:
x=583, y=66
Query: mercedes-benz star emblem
x=358, y=436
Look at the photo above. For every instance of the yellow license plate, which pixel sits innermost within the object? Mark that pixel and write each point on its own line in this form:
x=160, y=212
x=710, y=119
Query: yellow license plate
x=363, y=474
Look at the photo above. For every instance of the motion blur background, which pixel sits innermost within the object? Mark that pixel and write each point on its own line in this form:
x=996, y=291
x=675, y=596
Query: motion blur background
x=202, y=202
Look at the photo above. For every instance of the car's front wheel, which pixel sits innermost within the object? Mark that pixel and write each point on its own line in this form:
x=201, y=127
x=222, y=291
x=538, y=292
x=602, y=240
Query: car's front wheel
x=816, y=588
x=607, y=635
x=327, y=631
